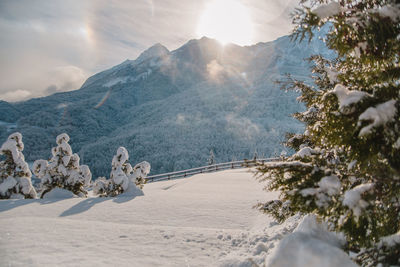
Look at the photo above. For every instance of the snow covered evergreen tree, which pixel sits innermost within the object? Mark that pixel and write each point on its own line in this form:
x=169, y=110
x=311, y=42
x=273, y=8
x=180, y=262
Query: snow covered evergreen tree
x=346, y=167
x=211, y=158
x=123, y=178
x=62, y=170
x=15, y=176
x=255, y=155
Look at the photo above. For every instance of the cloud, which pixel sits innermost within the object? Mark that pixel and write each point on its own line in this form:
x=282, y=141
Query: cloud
x=41, y=82
x=16, y=95
x=65, y=78
x=71, y=40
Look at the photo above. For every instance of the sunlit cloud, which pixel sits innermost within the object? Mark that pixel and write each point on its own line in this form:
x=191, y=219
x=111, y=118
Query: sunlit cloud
x=81, y=38
x=65, y=78
x=228, y=21
x=16, y=95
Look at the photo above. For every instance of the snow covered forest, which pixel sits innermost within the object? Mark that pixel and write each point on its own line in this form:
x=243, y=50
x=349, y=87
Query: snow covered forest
x=332, y=199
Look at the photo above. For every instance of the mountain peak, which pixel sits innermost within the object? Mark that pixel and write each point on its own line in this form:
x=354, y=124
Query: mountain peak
x=155, y=51
x=204, y=41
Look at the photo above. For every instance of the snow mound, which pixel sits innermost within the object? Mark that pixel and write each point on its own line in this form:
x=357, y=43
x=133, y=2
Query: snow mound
x=311, y=244
x=252, y=248
x=59, y=193
x=132, y=191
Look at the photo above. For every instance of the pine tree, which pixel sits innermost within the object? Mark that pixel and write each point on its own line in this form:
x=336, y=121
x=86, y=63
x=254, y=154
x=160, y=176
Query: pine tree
x=211, y=158
x=15, y=176
x=346, y=168
x=63, y=170
x=123, y=177
x=255, y=155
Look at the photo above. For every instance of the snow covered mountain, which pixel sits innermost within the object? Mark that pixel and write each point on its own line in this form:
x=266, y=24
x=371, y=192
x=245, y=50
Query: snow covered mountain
x=172, y=107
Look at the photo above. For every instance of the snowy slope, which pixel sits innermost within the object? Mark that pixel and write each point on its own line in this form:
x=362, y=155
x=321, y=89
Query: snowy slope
x=205, y=220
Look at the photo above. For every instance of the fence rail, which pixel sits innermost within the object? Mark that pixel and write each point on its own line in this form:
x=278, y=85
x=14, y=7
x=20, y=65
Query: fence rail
x=206, y=169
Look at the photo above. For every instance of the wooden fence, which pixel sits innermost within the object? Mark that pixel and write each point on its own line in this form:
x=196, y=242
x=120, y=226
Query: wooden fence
x=207, y=169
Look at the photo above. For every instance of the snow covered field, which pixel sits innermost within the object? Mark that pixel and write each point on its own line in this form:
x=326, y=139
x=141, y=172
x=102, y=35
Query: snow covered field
x=205, y=220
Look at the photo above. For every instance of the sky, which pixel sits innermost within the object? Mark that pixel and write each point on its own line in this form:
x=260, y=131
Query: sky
x=49, y=46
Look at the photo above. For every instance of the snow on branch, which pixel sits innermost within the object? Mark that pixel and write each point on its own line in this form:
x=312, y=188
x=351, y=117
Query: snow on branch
x=327, y=10
x=286, y=165
x=379, y=115
x=347, y=97
x=353, y=200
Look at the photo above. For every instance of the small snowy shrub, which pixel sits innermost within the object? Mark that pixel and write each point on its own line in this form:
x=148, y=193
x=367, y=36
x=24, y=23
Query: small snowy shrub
x=101, y=187
x=123, y=177
x=15, y=176
x=140, y=172
x=62, y=170
x=346, y=168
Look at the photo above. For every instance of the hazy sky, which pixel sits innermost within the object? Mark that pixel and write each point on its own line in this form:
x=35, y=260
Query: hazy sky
x=48, y=46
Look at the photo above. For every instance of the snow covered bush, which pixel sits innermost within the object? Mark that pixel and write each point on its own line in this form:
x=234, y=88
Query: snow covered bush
x=123, y=178
x=15, y=176
x=62, y=170
x=346, y=167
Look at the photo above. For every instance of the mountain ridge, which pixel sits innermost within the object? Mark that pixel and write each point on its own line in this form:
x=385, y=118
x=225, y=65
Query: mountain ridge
x=172, y=107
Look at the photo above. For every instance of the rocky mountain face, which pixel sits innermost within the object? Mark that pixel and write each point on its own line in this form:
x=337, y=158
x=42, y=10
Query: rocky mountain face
x=171, y=108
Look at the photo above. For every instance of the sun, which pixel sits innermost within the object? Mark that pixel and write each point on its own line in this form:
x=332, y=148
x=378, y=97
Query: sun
x=228, y=21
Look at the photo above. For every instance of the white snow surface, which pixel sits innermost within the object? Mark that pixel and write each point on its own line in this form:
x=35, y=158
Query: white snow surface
x=204, y=220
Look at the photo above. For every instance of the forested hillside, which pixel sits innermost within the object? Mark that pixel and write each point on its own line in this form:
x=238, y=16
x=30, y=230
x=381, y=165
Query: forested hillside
x=172, y=108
